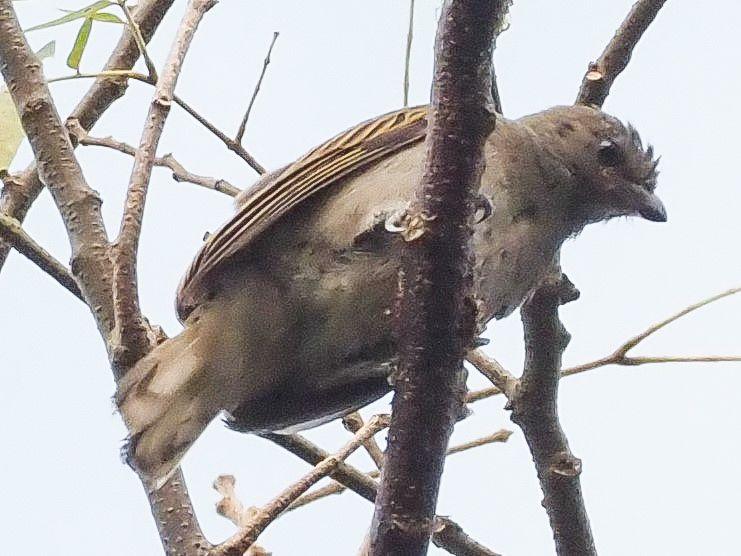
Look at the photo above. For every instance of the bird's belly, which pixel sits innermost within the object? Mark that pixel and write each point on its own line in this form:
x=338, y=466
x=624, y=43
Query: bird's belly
x=340, y=341
x=340, y=345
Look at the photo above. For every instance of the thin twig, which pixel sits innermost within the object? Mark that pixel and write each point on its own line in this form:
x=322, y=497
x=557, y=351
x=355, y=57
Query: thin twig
x=493, y=370
x=242, y=540
x=140, y=42
x=12, y=232
x=265, y=64
x=619, y=356
x=499, y=436
x=408, y=53
x=495, y=96
x=445, y=533
x=337, y=488
x=629, y=344
x=125, y=74
x=614, y=59
x=130, y=340
x=353, y=422
x=230, y=143
x=232, y=509
x=179, y=173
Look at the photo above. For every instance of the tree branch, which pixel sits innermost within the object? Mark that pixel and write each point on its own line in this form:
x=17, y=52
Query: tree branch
x=492, y=369
x=141, y=44
x=534, y=409
x=79, y=206
x=614, y=59
x=12, y=233
x=20, y=192
x=130, y=339
x=408, y=53
x=436, y=313
x=501, y=435
x=446, y=534
x=353, y=422
x=179, y=173
x=266, y=62
x=230, y=143
x=241, y=541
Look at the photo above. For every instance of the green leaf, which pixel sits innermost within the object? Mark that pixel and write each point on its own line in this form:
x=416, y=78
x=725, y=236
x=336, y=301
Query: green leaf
x=85, y=12
x=106, y=17
x=73, y=60
x=11, y=130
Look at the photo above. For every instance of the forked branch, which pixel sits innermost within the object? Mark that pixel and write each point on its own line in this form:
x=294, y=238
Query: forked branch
x=17, y=197
x=130, y=339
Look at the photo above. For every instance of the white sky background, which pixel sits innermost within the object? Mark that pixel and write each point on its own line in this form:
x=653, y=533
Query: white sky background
x=659, y=443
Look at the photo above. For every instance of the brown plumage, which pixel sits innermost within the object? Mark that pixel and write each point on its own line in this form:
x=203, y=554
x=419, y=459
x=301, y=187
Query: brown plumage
x=286, y=307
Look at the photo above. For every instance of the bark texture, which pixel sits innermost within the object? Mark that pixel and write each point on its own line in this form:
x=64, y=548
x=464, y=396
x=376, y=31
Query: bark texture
x=436, y=312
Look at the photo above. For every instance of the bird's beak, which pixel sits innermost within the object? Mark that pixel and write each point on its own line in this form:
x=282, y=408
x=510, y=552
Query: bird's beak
x=648, y=205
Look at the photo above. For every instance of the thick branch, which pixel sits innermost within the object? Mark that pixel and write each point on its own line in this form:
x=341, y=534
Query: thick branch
x=79, y=206
x=176, y=520
x=534, y=409
x=614, y=59
x=12, y=232
x=436, y=313
x=130, y=339
x=18, y=196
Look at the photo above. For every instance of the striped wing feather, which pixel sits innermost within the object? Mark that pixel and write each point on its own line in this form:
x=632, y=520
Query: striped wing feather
x=322, y=167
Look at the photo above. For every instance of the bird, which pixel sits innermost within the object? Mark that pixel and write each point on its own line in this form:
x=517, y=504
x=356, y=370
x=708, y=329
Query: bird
x=287, y=307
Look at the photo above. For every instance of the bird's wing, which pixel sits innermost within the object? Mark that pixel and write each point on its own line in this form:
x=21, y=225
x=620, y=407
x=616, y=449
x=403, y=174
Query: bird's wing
x=320, y=168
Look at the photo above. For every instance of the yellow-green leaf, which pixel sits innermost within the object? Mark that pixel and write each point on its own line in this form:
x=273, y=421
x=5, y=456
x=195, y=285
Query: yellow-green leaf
x=11, y=130
x=73, y=60
x=85, y=12
x=106, y=17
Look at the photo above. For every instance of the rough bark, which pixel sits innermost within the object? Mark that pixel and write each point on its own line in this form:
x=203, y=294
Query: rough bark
x=436, y=313
x=79, y=206
x=22, y=190
x=535, y=410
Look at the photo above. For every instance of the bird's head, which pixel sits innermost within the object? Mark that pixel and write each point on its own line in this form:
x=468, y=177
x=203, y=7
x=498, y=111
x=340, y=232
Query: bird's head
x=611, y=172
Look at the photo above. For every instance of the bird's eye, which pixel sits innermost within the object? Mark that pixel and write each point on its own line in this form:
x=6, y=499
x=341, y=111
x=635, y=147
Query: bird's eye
x=609, y=154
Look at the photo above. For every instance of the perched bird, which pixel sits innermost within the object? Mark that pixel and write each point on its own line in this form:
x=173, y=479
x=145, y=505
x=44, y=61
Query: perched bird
x=287, y=307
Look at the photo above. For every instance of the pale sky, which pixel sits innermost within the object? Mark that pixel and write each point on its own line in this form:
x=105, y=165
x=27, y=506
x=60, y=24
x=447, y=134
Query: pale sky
x=659, y=443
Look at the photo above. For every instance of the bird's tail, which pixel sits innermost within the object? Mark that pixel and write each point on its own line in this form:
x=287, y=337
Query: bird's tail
x=162, y=402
